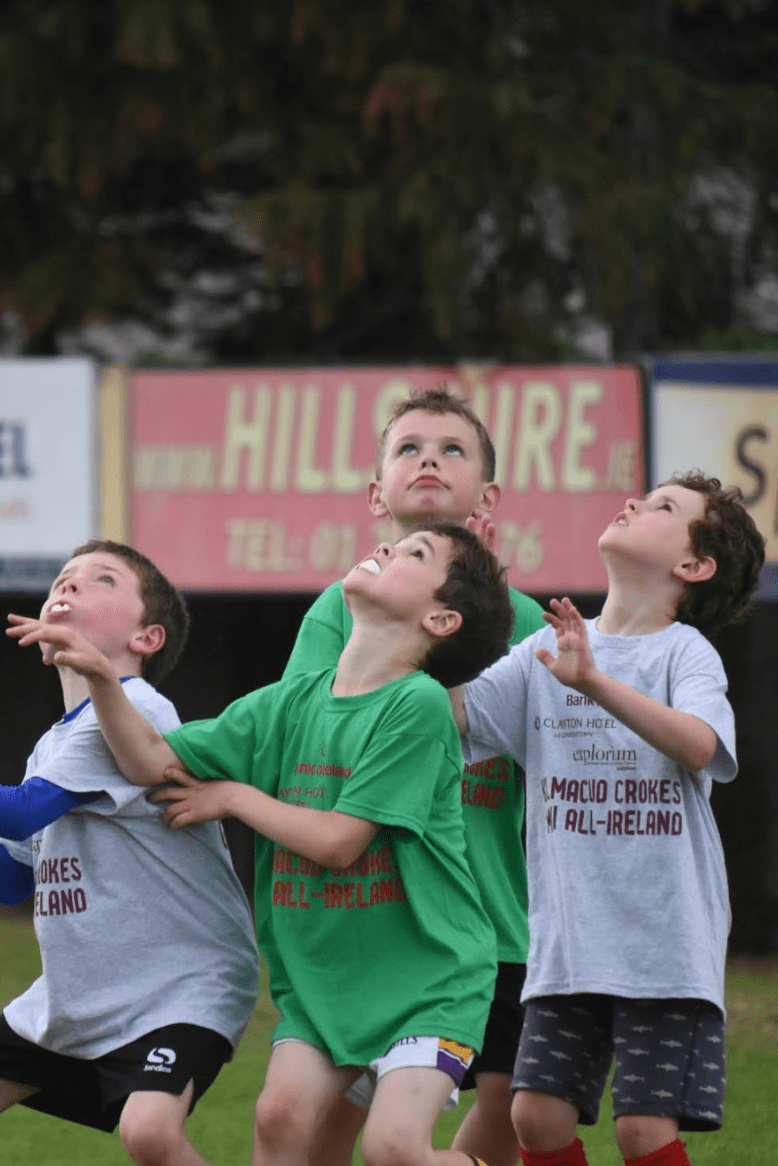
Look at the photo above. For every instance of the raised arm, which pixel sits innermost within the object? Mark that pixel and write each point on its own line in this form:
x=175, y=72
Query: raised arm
x=327, y=837
x=141, y=753
x=679, y=735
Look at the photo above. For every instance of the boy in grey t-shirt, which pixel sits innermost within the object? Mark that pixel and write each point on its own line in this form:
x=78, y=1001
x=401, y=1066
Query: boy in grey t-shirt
x=621, y=732
x=150, y=968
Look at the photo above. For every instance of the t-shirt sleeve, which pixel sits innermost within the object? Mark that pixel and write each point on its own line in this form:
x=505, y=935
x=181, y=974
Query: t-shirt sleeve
x=698, y=685
x=322, y=635
x=242, y=744
x=85, y=764
x=409, y=758
x=527, y=618
x=495, y=703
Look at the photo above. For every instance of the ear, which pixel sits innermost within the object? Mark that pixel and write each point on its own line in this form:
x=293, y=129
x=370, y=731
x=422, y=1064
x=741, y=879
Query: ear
x=696, y=570
x=490, y=496
x=375, y=500
x=147, y=640
x=442, y=622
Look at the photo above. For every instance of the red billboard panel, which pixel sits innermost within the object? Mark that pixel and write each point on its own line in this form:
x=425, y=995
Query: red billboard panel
x=257, y=479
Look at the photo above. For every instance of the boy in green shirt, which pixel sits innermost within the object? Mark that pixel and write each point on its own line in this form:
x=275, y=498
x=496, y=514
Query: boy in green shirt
x=380, y=953
x=436, y=461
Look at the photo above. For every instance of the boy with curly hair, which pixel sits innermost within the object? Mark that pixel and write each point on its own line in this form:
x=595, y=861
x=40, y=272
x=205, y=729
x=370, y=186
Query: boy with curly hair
x=622, y=730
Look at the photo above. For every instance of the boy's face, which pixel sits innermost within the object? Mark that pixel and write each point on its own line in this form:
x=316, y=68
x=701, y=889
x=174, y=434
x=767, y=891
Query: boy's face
x=98, y=594
x=431, y=469
x=400, y=579
x=655, y=529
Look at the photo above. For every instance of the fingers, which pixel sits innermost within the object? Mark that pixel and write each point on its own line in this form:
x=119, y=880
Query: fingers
x=180, y=776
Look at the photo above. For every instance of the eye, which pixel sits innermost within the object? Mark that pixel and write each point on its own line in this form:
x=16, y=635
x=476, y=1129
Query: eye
x=106, y=579
x=453, y=447
x=407, y=447
x=665, y=506
x=418, y=553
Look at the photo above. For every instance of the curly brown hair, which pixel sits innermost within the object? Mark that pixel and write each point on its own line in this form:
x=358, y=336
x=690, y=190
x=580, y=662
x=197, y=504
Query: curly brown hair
x=729, y=535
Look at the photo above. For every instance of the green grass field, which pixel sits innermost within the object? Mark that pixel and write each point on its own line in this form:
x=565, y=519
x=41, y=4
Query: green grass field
x=221, y=1124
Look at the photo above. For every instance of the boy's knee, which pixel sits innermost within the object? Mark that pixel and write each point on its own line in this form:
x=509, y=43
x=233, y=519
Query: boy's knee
x=542, y=1122
x=638, y=1135
x=151, y=1134
x=389, y=1147
x=282, y=1119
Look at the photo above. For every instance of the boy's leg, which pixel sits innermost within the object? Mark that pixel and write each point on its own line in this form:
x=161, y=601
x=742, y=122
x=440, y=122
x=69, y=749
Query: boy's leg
x=671, y=1078
x=152, y=1128
x=12, y=1092
x=301, y=1085
x=487, y=1129
x=398, y=1131
x=562, y=1064
x=336, y=1134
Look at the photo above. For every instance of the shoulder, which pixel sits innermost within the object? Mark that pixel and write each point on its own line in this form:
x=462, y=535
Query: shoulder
x=528, y=615
x=154, y=706
x=331, y=599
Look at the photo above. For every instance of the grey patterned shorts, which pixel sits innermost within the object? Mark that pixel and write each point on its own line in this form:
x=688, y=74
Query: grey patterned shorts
x=669, y=1056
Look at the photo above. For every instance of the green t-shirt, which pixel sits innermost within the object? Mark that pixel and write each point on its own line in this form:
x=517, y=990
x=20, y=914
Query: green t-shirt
x=492, y=791
x=399, y=943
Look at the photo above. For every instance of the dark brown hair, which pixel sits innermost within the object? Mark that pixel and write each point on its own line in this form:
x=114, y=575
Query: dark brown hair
x=729, y=535
x=476, y=587
x=162, y=604
x=441, y=400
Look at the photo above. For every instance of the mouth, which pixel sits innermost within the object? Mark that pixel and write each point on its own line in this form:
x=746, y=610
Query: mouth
x=369, y=565
x=427, y=480
x=620, y=519
x=58, y=608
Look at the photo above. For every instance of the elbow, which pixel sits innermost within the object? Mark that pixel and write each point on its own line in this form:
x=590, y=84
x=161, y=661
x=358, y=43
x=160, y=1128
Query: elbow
x=339, y=854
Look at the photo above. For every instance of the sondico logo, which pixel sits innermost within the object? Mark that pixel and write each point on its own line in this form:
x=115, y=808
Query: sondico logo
x=159, y=1061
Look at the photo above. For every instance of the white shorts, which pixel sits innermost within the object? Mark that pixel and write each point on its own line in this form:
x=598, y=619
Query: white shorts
x=412, y=1052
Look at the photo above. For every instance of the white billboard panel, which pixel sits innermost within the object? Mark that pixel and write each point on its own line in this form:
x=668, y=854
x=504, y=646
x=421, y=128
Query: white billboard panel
x=47, y=466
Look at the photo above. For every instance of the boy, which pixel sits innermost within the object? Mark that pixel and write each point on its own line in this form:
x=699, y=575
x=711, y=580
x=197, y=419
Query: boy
x=622, y=733
x=150, y=969
x=379, y=951
x=436, y=460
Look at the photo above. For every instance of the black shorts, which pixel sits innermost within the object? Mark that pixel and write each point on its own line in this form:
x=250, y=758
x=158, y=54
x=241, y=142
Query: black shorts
x=503, y=1028
x=93, y=1093
x=668, y=1054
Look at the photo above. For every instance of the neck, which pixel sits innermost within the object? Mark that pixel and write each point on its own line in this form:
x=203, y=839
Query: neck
x=632, y=608
x=374, y=656
x=75, y=688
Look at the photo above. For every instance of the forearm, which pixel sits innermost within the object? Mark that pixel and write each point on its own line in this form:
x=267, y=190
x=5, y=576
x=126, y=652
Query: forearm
x=681, y=736
x=17, y=881
x=327, y=837
x=27, y=808
x=141, y=752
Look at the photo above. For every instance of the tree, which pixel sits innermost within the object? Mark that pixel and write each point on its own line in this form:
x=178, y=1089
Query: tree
x=331, y=179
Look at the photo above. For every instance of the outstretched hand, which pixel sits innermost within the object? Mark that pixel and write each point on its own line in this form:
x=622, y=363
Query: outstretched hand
x=191, y=800
x=573, y=664
x=67, y=647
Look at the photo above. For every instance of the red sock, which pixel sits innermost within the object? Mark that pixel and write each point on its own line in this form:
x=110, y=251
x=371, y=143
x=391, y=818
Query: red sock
x=572, y=1155
x=674, y=1154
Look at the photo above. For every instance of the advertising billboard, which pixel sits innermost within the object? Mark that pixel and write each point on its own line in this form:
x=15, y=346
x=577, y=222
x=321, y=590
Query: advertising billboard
x=257, y=479
x=47, y=466
x=721, y=415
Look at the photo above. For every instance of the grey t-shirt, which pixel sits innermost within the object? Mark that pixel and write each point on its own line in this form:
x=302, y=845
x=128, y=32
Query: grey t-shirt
x=139, y=926
x=627, y=885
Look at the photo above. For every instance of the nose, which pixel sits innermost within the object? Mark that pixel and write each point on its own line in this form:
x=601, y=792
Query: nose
x=632, y=504
x=384, y=550
x=429, y=456
x=67, y=585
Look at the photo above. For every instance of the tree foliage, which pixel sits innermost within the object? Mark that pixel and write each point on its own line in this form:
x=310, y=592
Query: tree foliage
x=462, y=182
